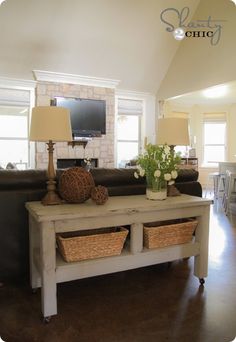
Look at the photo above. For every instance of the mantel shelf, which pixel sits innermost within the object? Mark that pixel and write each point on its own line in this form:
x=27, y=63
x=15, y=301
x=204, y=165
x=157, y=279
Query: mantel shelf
x=78, y=143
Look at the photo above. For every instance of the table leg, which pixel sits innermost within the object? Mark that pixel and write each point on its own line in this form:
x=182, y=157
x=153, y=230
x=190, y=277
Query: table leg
x=202, y=237
x=35, y=278
x=48, y=269
x=136, y=238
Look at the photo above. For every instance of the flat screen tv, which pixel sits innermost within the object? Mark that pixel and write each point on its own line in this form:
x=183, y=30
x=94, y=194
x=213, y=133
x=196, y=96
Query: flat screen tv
x=88, y=117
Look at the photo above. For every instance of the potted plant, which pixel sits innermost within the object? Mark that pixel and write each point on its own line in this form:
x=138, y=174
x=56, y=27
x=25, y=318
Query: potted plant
x=159, y=164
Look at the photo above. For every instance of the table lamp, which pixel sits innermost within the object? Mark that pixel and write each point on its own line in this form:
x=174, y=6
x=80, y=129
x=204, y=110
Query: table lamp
x=50, y=124
x=173, y=132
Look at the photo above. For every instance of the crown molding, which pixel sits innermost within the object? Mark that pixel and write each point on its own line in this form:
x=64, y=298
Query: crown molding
x=6, y=82
x=50, y=76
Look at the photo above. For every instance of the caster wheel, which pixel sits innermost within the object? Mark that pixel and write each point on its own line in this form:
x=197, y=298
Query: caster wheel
x=202, y=281
x=46, y=320
x=34, y=290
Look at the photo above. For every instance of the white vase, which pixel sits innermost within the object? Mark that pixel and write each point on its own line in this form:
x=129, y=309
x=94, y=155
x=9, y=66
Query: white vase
x=156, y=194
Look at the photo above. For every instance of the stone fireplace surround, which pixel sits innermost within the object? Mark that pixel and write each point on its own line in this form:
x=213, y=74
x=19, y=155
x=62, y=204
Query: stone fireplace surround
x=101, y=148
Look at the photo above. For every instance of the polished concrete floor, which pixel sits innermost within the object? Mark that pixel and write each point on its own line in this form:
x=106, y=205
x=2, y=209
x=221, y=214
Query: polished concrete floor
x=152, y=304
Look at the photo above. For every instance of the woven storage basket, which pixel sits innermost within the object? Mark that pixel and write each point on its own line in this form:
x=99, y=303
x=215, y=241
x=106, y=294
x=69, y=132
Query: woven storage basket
x=89, y=244
x=161, y=234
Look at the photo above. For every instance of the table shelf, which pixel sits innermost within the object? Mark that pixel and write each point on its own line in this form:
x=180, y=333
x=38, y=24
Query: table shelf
x=126, y=261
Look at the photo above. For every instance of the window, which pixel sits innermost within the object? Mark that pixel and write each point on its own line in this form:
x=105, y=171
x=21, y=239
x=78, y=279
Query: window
x=214, y=135
x=16, y=99
x=128, y=130
x=14, y=136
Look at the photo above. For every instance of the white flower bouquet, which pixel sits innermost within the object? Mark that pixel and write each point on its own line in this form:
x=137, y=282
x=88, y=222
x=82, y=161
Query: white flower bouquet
x=159, y=164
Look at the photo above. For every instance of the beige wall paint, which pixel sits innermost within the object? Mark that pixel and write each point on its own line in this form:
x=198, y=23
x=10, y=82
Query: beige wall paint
x=195, y=119
x=119, y=39
x=197, y=64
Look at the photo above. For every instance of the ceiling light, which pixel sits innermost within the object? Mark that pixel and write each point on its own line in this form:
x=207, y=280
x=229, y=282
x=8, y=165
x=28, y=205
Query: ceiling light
x=217, y=91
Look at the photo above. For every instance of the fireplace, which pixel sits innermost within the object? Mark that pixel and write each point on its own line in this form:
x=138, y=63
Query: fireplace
x=70, y=162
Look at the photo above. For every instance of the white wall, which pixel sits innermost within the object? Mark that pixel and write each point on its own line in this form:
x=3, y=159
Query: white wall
x=196, y=116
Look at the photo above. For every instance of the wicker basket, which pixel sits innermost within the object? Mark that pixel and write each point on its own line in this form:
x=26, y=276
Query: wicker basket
x=89, y=244
x=161, y=234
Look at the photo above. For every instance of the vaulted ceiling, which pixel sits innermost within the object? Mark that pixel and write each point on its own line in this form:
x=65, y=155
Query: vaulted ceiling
x=117, y=39
x=219, y=95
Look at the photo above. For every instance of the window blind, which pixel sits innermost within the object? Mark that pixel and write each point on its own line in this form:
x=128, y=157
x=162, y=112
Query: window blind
x=128, y=106
x=213, y=117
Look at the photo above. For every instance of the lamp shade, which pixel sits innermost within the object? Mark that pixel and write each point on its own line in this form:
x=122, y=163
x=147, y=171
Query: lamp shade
x=50, y=123
x=172, y=131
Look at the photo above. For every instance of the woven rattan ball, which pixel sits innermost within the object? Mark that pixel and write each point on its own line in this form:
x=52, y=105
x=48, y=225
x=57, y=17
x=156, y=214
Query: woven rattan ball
x=75, y=185
x=99, y=194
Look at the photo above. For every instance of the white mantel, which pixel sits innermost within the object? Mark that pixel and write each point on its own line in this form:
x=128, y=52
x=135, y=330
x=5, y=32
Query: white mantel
x=58, y=77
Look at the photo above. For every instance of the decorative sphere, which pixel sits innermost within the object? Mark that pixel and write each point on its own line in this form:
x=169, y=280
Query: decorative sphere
x=99, y=194
x=75, y=185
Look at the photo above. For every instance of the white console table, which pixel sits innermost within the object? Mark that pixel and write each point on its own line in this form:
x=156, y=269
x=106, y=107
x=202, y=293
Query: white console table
x=47, y=268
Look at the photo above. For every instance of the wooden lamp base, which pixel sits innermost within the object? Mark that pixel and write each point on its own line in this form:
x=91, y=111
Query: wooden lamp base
x=51, y=197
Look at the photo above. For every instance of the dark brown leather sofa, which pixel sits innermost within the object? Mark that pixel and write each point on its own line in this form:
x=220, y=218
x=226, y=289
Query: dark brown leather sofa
x=18, y=187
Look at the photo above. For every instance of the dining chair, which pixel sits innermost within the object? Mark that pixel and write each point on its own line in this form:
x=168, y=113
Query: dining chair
x=229, y=195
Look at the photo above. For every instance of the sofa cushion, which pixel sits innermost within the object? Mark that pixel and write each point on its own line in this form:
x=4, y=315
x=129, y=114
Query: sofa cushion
x=190, y=188
x=22, y=179
x=187, y=175
x=115, y=177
